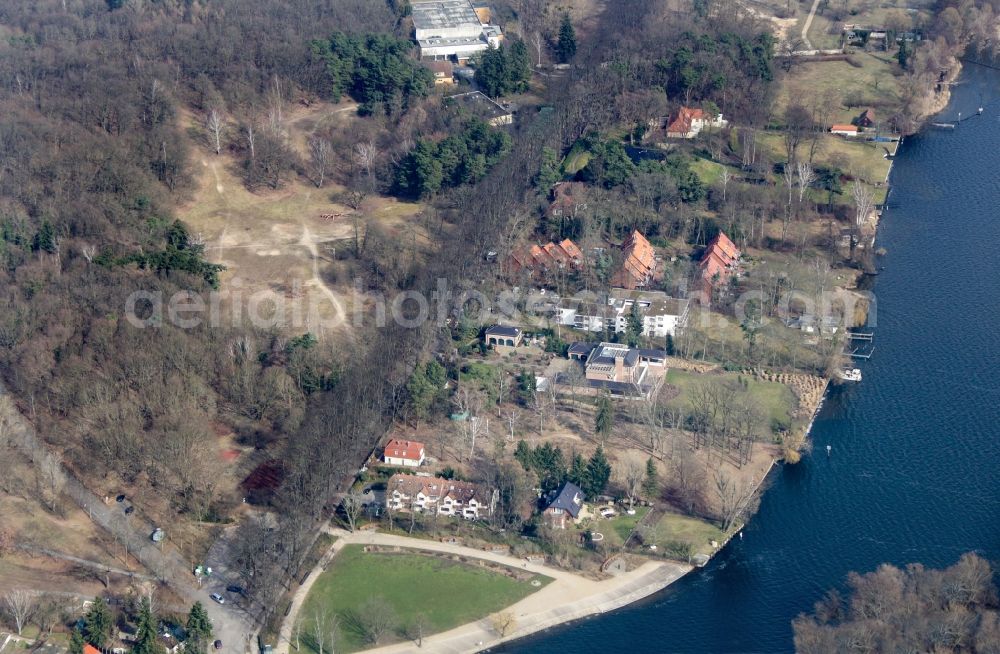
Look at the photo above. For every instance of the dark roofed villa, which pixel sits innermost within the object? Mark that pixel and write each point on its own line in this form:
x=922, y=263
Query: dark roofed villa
x=567, y=500
x=503, y=336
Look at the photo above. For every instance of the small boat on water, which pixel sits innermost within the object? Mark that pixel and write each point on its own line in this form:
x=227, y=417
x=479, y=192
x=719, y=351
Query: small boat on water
x=850, y=374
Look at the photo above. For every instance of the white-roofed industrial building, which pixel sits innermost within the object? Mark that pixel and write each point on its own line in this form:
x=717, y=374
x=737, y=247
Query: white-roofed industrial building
x=451, y=29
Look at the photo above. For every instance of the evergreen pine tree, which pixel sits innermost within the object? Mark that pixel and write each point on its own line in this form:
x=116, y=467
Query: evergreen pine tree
x=651, y=484
x=633, y=326
x=669, y=345
x=577, y=470
x=604, y=421
x=76, y=642
x=97, y=623
x=199, y=629
x=491, y=73
x=903, y=56
x=524, y=455
x=518, y=66
x=549, y=172
x=566, y=45
x=145, y=632
x=598, y=474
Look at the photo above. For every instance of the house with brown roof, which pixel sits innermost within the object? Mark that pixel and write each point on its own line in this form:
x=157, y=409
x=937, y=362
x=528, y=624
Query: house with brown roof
x=539, y=261
x=443, y=71
x=638, y=268
x=568, y=198
x=866, y=119
x=619, y=369
x=688, y=122
x=718, y=264
x=399, y=452
x=436, y=495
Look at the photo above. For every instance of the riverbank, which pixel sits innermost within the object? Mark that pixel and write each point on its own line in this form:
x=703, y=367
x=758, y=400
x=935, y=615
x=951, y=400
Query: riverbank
x=567, y=598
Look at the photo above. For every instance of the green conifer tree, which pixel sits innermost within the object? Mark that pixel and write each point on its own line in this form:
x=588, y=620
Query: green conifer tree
x=97, y=624
x=566, y=45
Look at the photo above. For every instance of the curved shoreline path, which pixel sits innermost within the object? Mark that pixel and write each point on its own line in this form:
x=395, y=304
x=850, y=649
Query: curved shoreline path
x=566, y=598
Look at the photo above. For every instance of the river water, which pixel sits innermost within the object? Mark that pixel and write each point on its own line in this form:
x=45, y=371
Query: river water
x=914, y=473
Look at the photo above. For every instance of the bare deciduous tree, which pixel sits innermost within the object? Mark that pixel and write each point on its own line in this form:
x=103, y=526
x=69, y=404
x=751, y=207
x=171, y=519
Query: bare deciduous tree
x=215, y=125
x=323, y=629
x=503, y=623
x=321, y=158
x=864, y=202
x=51, y=480
x=353, y=505
x=365, y=156
x=632, y=472
x=19, y=604
x=806, y=176
x=417, y=629
x=375, y=619
x=735, y=499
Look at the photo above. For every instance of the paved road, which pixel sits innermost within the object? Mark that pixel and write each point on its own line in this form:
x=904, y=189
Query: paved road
x=231, y=625
x=567, y=597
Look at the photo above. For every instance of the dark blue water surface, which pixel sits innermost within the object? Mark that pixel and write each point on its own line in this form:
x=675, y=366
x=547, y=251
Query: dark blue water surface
x=915, y=468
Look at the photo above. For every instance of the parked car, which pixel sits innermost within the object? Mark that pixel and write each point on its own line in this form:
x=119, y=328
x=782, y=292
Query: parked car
x=218, y=598
x=129, y=510
x=607, y=512
x=217, y=644
x=120, y=498
x=235, y=589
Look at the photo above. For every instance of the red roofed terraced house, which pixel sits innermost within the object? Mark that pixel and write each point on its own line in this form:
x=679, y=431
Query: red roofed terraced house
x=639, y=267
x=403, y=453
x=718, y=264
x=540, y=261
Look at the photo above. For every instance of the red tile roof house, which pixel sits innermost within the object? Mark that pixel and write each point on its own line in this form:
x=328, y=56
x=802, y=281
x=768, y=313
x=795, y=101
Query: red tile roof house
x=718, y=264
x=538, y=261
x=90, y=649
x=404, y=453
x=689, y=122
x=639, y=267
x=844, y=130
x=436, y=495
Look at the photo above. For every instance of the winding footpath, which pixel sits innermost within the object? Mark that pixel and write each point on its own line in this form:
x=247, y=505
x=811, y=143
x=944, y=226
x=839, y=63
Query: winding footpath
x=566, y=598
x=806, y=25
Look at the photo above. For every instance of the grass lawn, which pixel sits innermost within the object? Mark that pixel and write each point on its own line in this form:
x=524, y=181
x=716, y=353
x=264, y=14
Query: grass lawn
x=707, y=171
x=618, y=528
x=697, y=533
x=872, y=82
x=775, y=401
x=448, y=593
x=575, y=161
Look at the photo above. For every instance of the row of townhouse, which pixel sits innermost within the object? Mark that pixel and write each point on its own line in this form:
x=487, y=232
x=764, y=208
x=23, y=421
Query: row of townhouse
x=436, y=495
x=661, y=314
